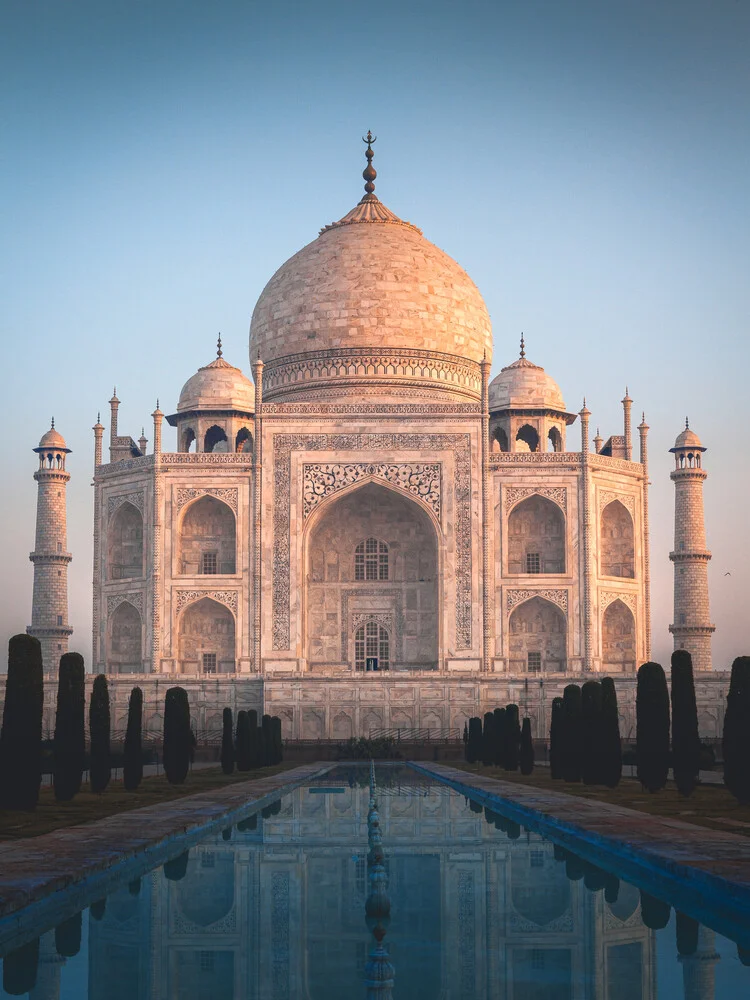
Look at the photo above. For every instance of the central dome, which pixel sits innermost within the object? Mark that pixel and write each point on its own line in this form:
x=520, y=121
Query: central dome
x=371, y=307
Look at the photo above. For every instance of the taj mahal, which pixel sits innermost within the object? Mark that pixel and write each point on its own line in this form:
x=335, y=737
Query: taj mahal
x=368, y=534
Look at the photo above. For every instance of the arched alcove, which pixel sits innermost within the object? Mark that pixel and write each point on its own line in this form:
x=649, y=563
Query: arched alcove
x=527, y=438
x=397, y=588
x=617, y=541
x=125, y=543
x=206, y=896
x=207, y=639
x=538, y=637
x=499, y=440
x=554, y=440
x=188, y=440
x=536, y=537
x=539, y=888
x=243, y=440
x=215, y=440
x=124, y=646
x=628, y=901
x=207, y=544
x=618, y=638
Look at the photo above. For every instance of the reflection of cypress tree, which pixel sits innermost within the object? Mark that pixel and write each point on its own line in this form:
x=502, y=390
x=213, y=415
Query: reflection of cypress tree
x=591, y=717
x=68, y=936
x=593, y=877
x=489, y=816
x=21, y=738
x=19, y=968
x=572, y=732
x=474, y=746
x=267, y=811
x=687, y=934
x=611, y=748
x=652, y=726
x=558, y=851
x=513, y=830
x=574, y=868
x=527, y=748
x=686, y=744
x=226, y=834
x=488, y=739
x=227, y=742
x=134, y=887
x=132, y=771
x=177, y=735
x=176, y=869
x=744, y=955
x=248, y=823
x=499, y=754
x=98, y=909
x=512, y=737
x=654, y=912
x=611, y=889
x=476, y=807
x=276, y=807
x=736, y=742
x=555, y=739
x=70, y=728
x=466, y=740
x=245, y=739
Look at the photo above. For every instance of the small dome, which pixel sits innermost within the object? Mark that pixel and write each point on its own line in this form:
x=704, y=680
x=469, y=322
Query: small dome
x=53, y=439
x=525, y=386
x=688, y=439
x=218, y=386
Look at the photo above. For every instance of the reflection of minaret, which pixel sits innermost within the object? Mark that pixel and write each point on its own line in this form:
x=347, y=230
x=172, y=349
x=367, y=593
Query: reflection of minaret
x=379, y=971
x=48, y=970
x=698, y=976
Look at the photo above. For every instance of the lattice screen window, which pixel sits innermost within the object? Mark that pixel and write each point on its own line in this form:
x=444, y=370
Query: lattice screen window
x=372, y=641
x=371, y=560
x=209, y=663
x=209, y=564
x=207, y=961
x=533, y=562
x=534, y=662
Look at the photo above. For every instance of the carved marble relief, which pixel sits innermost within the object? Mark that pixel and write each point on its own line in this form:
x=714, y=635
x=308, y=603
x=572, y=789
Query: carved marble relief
x=226, y=597
x=514, y=494
x=557, y=596
x=184, y=495
x=320, y=481
x=136, y=499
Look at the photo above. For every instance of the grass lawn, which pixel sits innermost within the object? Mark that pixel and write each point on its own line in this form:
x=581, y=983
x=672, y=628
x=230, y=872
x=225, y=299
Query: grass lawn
x=709, y=805
x=87, y=807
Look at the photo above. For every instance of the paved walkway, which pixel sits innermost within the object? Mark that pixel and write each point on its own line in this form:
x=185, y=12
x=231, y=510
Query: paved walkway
x=696, y=868
x=88, y=860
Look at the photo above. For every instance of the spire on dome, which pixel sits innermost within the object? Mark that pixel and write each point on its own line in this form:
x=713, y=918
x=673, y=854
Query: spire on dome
x=53, y=424
x=369, y=173
x=218, y=347
x=687, y=425
x=523, y=348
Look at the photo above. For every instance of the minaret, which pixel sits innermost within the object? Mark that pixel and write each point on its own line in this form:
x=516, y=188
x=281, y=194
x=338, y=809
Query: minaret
x=627, y=402
x=691, y=628
x=49, y=607
x=698, y=973
x=114, y=406
x=584, y=414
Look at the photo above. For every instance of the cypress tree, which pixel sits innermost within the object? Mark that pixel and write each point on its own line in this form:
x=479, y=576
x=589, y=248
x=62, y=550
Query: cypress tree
x=21, y=736
x=244, y=737
x=686, y=744
x=227, y=742
x=611, y=747
x=254, y=750
x=70, y=728
x=278, y=743
x=132, y=771
x=68, y=936
x=593, y=877
x=177, y=735
x=555, y=739
x=574, y=868
x=512, y=738
x=267, y=742
x=736, y=740
x=176, y=869
x=466, y=740
x=488, y=739
x=499, y=733
x=527, y=748
x=475, y=740
x=100, y=769
x=654, y=912
x=20, y=967
x=591, y=716
x=652, y=727
x=572, y=732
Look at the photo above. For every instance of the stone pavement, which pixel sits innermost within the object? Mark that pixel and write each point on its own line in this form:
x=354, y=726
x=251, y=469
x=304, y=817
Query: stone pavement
x=87, y=860
x=703, y=872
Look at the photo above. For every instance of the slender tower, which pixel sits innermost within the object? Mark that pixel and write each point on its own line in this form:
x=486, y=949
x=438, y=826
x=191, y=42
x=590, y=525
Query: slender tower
x=691, y=628
x=49, y=608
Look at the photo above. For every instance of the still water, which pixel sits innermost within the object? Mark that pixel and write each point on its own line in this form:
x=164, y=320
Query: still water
x=274, y=909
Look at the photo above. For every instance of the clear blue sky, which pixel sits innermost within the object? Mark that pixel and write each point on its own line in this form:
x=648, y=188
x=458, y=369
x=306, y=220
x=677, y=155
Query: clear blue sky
x=587, y=162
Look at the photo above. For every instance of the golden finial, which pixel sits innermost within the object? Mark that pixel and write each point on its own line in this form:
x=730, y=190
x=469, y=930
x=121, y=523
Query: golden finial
x=369, y=173
x=218, y=347
x=53, y=423
x=687, y=425
x=523, y=347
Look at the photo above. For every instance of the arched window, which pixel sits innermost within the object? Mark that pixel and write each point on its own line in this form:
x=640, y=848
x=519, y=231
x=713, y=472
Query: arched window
x=371, y=560
x=124, y=652
x=554, y=440
x=215, y=440
x=372, y=647
x=617, y=541
x=499, y=440
x=207, y=538
x=536, y=537
x=125, y=544
x=188, y=439
x=538, y=638
x=527, y=439
x=207, y=639
x=243, y=441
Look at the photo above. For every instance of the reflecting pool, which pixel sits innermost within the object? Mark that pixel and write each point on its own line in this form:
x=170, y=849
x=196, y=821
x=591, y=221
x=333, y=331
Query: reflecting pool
x=466, y=903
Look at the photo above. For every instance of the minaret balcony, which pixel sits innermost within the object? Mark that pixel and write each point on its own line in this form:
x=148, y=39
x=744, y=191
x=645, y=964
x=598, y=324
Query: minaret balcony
x=694, y=555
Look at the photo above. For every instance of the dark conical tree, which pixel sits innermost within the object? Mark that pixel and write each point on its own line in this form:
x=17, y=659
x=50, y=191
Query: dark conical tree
x=70, y=728
x=499, y=734
x=654, y=912
x=20, y=968
x=686, y=744
x=68, y=936
x=276, y=740
x=244, y=737
x=255, y=741
x=227, y=742
x=687, y=935
x=132, y=771
x=611, y=747
x=736, y=742
x=512, y=738
x=488, y=739
x=591, y=717
x=100, y=768
x=474, y=750
x=177, y=735
x=527, y=748
x=267, y=741
x=176, y=869
x=21, y=736
x=572, y=733
x=652, y=727
x=555, y=739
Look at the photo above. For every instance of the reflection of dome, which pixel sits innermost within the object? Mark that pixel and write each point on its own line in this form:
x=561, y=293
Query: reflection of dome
x=53, y=440
x=525, y=386
x=371, y=287
x=218, y=386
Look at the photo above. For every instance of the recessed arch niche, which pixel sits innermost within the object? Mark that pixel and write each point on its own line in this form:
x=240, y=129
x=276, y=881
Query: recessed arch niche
x=208, y=538
x=618, y=638
x=207, y=638
x=125, y=543
x=125, y=640
x=538, y=637
x=617, y=541
x=536, y=537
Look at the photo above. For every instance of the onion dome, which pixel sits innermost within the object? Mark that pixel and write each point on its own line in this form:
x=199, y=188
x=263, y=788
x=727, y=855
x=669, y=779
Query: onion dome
x=371, y=307
x=217, y=386
x=52, y=441
x=687, y=439
x=525, y=386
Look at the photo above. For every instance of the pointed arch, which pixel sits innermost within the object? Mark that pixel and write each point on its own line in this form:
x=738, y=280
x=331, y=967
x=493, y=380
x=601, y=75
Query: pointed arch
x=618, y=639
x=215, y=439
x=244, y=440
x=207, y=538
x=527, y=438
x=537, y=637
x=125, y=543
x=617, y=541
x=207, y=642
x=536, y=536
x=125, y=640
